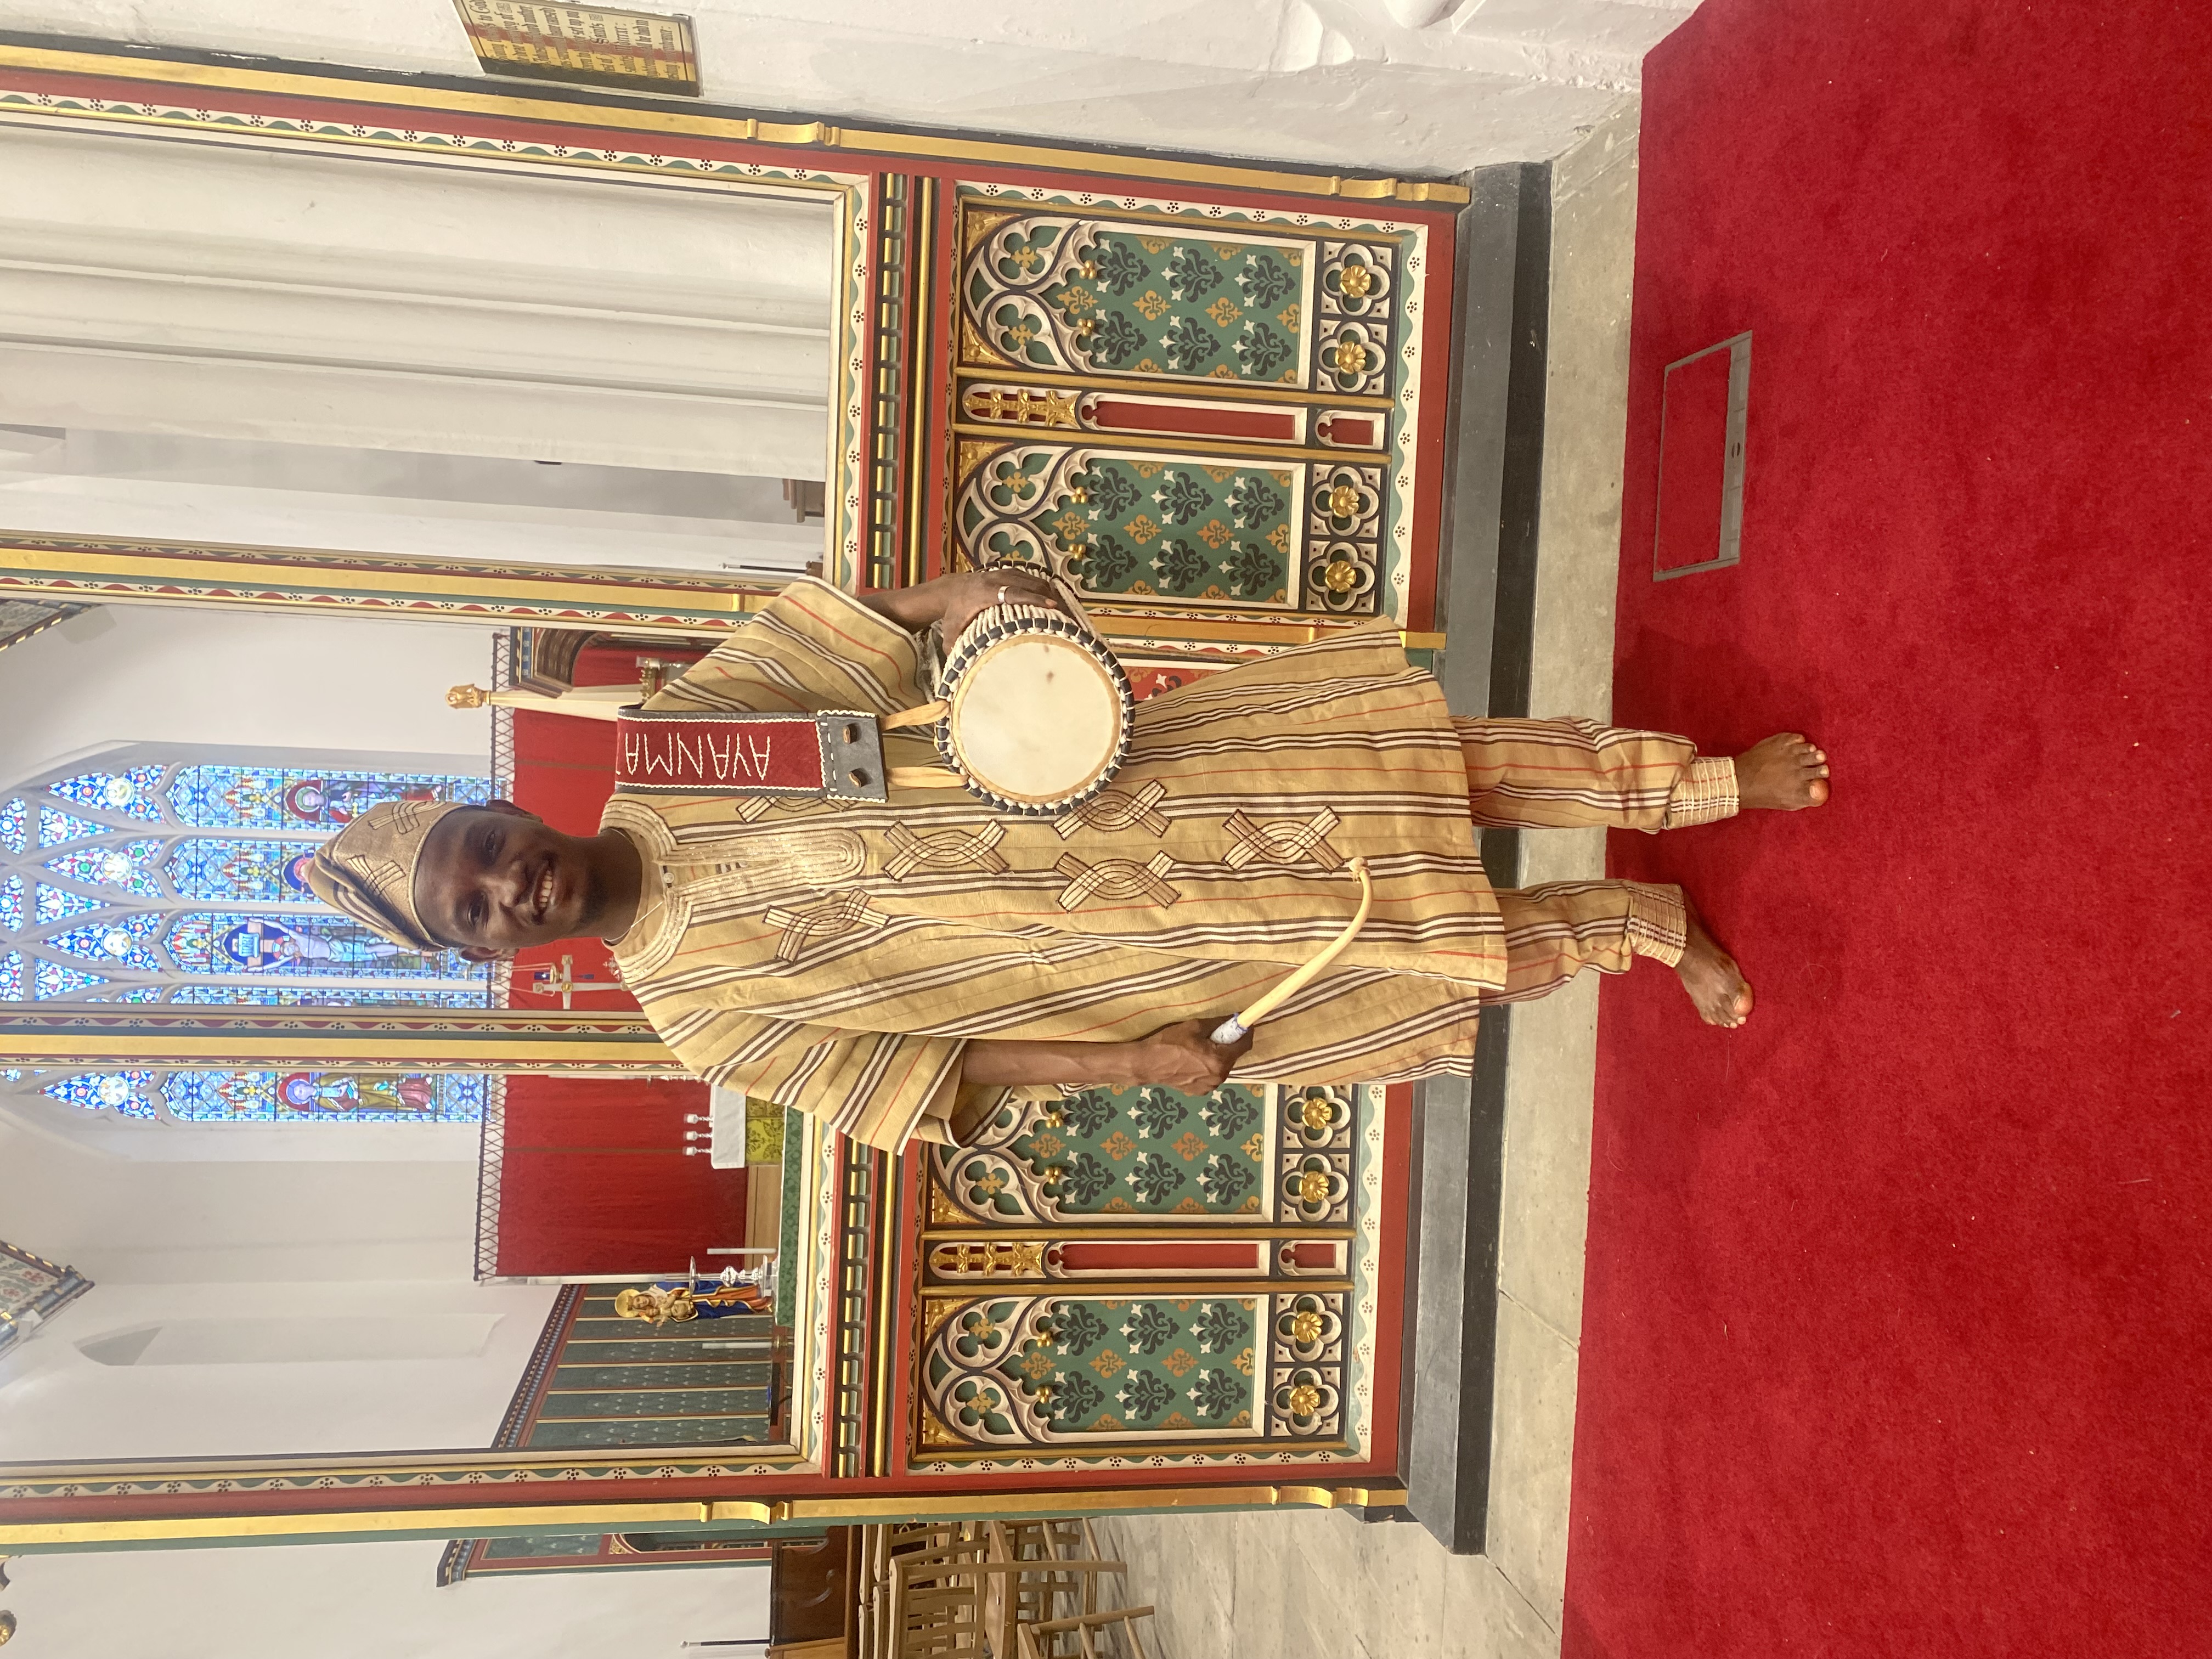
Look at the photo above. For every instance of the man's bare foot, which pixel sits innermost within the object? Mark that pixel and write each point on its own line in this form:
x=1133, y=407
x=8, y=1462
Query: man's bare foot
x=1709, y=975
x=1783, y=774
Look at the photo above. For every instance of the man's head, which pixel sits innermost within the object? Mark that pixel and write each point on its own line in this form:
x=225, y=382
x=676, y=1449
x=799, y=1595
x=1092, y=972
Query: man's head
x=483, y=880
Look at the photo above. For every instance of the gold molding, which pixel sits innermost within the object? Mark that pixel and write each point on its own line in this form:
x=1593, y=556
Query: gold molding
x=478, y=1520
x=1182, y=388
x=1171, y=443
x=390, y=1037
x=400, y=94
x=96, y=569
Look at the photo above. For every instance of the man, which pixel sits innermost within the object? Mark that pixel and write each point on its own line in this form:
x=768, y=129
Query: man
x=897, y=968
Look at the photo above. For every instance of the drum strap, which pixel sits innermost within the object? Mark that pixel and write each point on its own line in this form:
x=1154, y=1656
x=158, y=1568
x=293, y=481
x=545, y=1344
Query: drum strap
x=834, y=755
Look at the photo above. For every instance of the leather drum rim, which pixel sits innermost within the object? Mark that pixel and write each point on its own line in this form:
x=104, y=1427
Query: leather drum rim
x=995, y=625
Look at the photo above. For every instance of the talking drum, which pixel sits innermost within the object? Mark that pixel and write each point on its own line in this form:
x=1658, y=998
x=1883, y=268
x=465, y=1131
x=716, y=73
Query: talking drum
x=1037, y=714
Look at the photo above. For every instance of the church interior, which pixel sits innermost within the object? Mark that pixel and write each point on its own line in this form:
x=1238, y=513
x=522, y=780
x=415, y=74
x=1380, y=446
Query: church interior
x=389, y=388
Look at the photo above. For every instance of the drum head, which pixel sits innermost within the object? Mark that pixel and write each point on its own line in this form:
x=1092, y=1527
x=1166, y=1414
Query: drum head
x=1036, y=719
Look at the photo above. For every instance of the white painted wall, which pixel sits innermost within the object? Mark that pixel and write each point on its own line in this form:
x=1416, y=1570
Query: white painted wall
x=241, y=1260
x=162, y=674
x=367, y=1601
x=1389, y=84
x=349, y=299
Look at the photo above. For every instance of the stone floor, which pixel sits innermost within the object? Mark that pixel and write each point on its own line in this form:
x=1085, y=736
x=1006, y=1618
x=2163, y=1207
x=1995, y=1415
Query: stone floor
x=1313, y=1584
x=1316, y=1584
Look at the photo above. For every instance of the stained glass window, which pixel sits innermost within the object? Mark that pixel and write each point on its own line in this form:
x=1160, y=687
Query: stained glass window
x=182, y=882
x=133, y=792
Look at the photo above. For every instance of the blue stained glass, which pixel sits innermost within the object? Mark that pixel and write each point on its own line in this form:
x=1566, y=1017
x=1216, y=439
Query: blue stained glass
x=13, y=820
x=131, y=868
x=290, y=798
x=55, y=828
x=136, y=994
x=321, y=946
x=242, y=869
x=138, y=790
x=54, y=905
x=116, y=1091
x=11, y=978
x=124, y=941
x=11, y=903
x=51, y=979
x=287, y=996
x=296, y=1097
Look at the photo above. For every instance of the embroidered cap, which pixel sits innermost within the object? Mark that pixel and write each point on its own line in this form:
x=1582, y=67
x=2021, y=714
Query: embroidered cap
x=367, y=869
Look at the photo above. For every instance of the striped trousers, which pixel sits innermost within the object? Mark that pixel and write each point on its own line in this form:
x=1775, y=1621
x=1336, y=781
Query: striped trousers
x=1578, y=775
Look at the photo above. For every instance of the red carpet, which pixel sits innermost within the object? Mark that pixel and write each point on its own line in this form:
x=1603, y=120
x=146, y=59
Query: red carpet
x=1898, y=1336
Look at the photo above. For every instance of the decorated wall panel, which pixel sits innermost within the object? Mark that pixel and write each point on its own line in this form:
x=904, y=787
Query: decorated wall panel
x=1142, y=1271
x=1188, y=408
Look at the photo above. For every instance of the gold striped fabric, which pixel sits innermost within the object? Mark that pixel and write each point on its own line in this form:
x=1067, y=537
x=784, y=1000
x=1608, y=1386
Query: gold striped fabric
x=837, y=956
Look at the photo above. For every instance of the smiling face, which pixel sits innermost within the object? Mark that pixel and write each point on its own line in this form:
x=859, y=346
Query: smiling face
x=494, y=879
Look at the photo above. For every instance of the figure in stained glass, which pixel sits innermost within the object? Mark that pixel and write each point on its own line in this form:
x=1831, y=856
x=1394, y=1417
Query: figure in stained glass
x=329, y=945
x=241, y=868
x=314, y=1092
x=333, y=1097
x=279, y=797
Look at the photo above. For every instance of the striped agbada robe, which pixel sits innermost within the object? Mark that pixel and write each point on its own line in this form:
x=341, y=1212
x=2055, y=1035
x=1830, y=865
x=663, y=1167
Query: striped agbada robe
x=837, y=956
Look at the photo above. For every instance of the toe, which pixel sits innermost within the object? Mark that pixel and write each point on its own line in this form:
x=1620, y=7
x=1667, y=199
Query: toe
x=1817, y=794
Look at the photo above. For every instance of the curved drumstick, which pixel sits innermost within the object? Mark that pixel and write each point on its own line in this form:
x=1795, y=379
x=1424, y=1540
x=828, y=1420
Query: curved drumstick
x=1232, y=1029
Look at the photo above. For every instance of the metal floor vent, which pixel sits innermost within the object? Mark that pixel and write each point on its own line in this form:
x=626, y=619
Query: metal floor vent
x=1701, y=425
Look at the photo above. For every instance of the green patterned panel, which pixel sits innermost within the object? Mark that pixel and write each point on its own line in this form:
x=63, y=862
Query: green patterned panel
x=542, y=1544
x=708, y=1374
x=749, y=1328
x=1016, y=1372
x=638, y=1402
x=641, y=1347
x=1142, y=1152
x=1152, y=1367
x=1049, y=292
x=1172, y=304
x=1176, y=530
x=648, y=1431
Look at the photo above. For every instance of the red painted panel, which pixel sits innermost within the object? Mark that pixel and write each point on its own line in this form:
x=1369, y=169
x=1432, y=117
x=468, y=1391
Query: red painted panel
x=1165, y=1256
x=1129, y=414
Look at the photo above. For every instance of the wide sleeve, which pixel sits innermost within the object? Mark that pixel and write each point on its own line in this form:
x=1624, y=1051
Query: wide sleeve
x=872, y=1085
x=814, y=647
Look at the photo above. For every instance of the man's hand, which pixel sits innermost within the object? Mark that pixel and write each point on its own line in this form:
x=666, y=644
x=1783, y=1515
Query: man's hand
x=1185, y=1056
x=953, y=601
x=1179, y=1056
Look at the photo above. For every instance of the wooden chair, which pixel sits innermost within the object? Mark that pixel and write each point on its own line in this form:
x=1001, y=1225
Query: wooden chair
x=1052, y=1639
x=1038, y=1563
x=964, y=1592
x=882, y=1549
